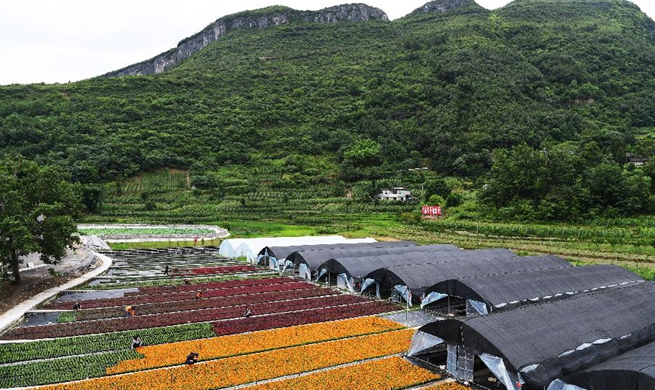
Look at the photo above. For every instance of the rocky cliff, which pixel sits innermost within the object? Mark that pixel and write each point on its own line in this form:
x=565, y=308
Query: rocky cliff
x=442, y=6
x=268, y=17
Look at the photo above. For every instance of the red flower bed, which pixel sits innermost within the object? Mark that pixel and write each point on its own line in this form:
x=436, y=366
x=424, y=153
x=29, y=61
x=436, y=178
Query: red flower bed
x=229, y=269
x=209, y=286
x=206, y=303
x=304, y=317
x=172, y=297
x=157, y=320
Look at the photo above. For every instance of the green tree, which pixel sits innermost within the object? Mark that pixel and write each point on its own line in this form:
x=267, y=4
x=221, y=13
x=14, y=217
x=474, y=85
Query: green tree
x=38, y=208
x=362, y=160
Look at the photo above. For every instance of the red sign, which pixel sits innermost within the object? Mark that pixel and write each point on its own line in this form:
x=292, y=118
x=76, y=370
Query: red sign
x=432, y=211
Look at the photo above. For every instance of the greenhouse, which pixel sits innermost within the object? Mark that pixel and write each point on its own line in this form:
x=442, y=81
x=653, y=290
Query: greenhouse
x=250, y=247
x=536, y=344
x=508, y=290
x=273, y=254
x=355, y=269
x=312, y=260
x=348, y=271
x=417, y=279
x=633, y=370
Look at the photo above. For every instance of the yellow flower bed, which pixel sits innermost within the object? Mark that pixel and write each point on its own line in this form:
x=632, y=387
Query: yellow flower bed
x=218, y=347
x=255, y=367
x=385, y=374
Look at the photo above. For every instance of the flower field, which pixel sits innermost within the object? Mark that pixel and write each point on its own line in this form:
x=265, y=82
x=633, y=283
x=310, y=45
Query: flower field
x=167, y=319
x=250, y=368
x=183, y=295
x=206, y=303
x=239, y=344
x=107, y=342
x=301, y=317
x=156, y=290
x=385, y=374
x=213, y=270
x=317, y=335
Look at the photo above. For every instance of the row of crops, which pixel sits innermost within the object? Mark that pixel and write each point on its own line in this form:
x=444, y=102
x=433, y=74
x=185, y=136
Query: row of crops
x=152, y=198
x=137, y=232
x=640, y=236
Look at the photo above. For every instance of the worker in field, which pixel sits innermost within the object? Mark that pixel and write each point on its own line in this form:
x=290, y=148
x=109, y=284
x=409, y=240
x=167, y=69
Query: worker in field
x=192, y=358
x=199, y=295
x=129, y=311
x=77, y=306
x=247, y=312
x=136, y=341
x=166, y=270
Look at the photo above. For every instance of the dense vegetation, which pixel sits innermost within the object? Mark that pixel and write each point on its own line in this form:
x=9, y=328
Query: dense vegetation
x=539, y=103
x=38, y=208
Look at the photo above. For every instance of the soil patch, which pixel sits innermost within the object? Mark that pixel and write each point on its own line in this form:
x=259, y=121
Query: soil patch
x=39, y=278
x=31, y=284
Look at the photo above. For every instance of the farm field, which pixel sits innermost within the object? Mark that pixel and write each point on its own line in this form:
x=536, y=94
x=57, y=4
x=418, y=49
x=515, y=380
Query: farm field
x=298, y=334
x=263, y=209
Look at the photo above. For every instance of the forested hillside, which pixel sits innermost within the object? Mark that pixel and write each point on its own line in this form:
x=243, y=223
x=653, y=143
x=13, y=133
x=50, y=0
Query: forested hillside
x=539, y=104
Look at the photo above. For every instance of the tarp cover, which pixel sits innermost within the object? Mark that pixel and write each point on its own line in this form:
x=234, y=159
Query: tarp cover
x=314, y=259
x=94, y=242
x=550, y=340
x=359, y=266
x=282, y=252
x=249, y=247
x=633, y=370
x=421, y=277
x=506, y=290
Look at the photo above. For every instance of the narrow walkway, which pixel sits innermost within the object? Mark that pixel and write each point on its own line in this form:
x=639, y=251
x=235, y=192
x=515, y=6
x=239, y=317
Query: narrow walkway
x=14, y=315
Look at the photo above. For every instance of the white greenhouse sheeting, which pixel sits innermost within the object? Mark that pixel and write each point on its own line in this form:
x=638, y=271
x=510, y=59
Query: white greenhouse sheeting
x=250, y=247
x=94, y=242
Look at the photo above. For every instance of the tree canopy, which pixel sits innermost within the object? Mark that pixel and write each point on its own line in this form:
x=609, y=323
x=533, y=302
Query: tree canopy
x=38, y=207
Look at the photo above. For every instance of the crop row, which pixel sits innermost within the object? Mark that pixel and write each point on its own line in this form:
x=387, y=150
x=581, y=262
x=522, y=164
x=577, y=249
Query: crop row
x=108, y=342
x=156, y=290
x=245, y=369
x=139, y=232
x=206, y=303
x=614, y=235
x=169, y=282
x=172, y=297
x=241, y=344
x=384, y=374
x=230, y=269
x=303, y=317
x=158, y=320
x=60, y=370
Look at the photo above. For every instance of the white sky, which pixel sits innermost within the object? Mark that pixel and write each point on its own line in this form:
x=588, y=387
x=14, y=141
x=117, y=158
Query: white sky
x=68, y=40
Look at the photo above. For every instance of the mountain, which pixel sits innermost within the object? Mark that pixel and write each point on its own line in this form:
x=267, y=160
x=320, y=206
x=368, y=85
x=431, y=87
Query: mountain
x=442, y=87
x=264, y=18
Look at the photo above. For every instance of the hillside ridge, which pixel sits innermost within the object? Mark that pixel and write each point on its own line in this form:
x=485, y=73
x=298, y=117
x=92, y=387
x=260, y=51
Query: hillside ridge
x=263, y=18
x=443, y=6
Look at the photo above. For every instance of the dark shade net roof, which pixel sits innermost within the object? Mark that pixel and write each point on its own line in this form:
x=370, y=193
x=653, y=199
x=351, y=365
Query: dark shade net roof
x=546, y=336
x=359, y=267
x=314, y=259
x=419, y=278
x=282, y=252
x=633, y=370
x=514, y=288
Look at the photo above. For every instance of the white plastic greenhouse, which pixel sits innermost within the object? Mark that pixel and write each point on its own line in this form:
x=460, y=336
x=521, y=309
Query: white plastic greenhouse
x=250, y=247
